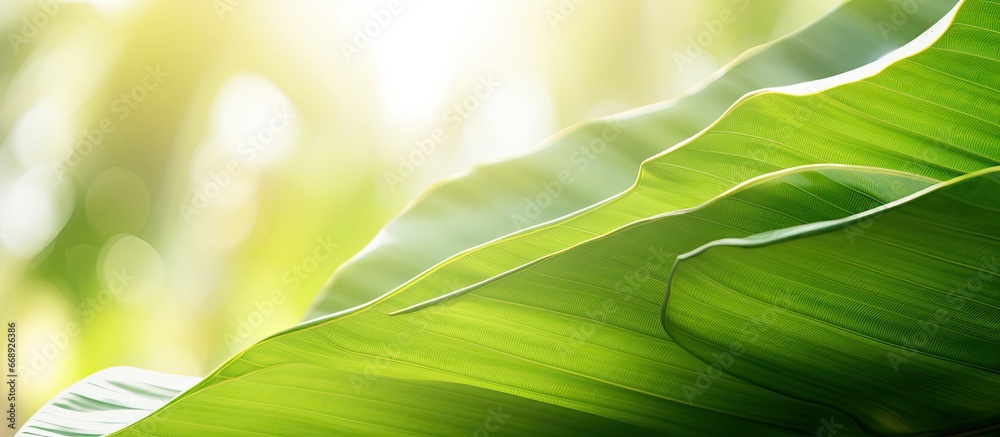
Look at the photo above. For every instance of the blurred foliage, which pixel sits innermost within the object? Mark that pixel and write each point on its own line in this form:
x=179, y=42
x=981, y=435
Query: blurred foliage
x=141, y=227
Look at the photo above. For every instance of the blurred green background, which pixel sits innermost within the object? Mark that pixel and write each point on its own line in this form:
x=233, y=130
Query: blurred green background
x=178, y=178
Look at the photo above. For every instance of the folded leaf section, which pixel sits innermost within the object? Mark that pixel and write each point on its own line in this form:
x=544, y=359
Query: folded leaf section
x=892, y=316
x=593, y=161
x=935, y=113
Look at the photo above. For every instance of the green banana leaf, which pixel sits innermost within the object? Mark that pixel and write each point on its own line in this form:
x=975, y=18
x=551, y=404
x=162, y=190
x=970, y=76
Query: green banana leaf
x=577, y=327
x=892, y=316
x=545, y=334
x=566, y=173
x=931, y=109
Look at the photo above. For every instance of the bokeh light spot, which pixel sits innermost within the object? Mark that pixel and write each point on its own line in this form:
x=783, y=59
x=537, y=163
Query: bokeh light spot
x=130, y=269
x=34, y=210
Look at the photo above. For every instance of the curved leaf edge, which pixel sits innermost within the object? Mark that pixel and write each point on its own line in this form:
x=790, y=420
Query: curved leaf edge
x=738, y=188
